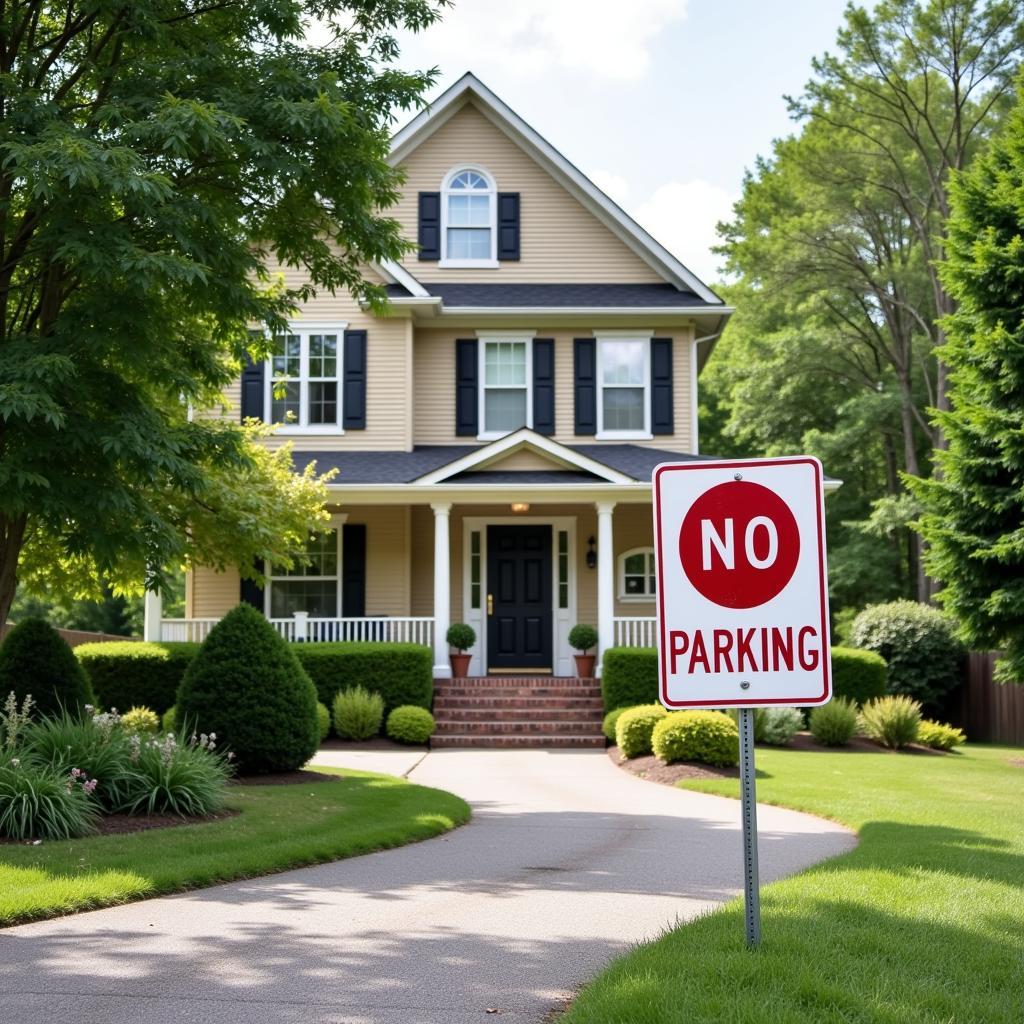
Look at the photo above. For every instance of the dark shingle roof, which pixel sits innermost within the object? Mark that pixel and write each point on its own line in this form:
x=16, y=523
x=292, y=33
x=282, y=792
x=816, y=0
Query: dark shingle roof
x=403, y=467
x=564, y=295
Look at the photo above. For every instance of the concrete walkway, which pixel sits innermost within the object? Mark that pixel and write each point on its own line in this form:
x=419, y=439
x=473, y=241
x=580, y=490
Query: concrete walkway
x=567, y=862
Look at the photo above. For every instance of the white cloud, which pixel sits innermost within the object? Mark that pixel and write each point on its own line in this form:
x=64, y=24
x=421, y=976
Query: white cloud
x=604, y=38
x=612, y=184
x=682, y=216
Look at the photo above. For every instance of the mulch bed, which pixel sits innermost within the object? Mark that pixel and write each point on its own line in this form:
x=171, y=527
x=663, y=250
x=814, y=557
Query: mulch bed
x=653, y=770
x=284, y=778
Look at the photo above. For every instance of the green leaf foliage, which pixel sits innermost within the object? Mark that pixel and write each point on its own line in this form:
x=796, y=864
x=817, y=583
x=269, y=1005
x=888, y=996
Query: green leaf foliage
x=400, y=673
x=35, y=661
x=629, y=676
x=323, y=720
x=939, y=735
x=834, y=724
x=410, y=724
x=634, y=728
x=609, y=722
x=858, y=675
x=893, y=721
x=924, y=658
x=130, y=673
x=974, y=511
x=708, y=737
x=582, y=637
x=357, y=713
x=248, y=689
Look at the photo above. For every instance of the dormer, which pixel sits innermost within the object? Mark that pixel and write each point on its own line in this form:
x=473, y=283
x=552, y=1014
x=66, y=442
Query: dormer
x=468, y=223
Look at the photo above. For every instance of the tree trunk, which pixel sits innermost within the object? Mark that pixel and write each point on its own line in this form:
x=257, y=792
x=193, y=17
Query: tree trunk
x=12, y=536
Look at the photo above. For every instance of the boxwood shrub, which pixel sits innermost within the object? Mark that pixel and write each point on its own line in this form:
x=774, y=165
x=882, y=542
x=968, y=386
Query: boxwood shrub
x=629, y=676
x=400, y=673
x=634, y=727
x=126, y=674
x=410, y=724
x=708, y=737
x=858, y=675
x=609, y=723
x=35, y=661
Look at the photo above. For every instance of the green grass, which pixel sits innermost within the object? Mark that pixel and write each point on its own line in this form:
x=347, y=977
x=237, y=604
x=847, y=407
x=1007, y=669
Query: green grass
x=923, y=922
x=279, y=827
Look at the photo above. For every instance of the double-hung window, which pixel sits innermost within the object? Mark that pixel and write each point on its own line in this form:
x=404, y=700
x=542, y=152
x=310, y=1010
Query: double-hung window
x=623, y=371
x=311, y=588
x=637, y=581
x=304, y=381
x=505, y=396
x=468, y=213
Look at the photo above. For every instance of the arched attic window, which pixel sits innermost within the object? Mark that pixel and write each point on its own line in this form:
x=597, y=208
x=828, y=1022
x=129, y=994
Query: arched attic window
x=468, y=212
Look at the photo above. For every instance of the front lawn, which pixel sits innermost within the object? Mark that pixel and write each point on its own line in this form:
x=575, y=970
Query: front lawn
x=279, y=827
x=924, y=921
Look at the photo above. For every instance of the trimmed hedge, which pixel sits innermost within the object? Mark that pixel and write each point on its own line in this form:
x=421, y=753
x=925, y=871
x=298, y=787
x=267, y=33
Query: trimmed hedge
x=634, y=727
x=247, y=687
x=410, y=724
x=629, y=676
x=400, y=673
x=858, y=675
x=35, y=661
x=126, y=674
x=708, y=737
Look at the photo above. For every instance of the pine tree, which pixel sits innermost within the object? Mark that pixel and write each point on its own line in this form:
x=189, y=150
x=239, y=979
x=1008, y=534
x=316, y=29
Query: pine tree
x=974, y=509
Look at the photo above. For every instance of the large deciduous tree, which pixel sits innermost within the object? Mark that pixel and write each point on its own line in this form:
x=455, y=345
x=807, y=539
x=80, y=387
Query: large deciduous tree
x=155, y=157
x=974, y=518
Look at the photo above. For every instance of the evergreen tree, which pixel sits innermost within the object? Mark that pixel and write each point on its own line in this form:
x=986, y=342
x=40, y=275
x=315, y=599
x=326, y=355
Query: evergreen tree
x=974, y=518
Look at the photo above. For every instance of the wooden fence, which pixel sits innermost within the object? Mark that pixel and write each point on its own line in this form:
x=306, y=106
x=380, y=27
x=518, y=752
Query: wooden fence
x=74, y=637
x=986, y=710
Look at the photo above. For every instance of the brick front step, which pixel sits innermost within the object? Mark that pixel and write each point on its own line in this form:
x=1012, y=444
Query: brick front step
x=511, y=692
x=491, y=727
x=506, y=714
x=520, y=741
x=528, y=703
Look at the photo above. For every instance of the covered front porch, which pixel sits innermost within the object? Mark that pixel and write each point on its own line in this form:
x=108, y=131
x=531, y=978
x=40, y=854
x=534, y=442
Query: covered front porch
x=521, y=539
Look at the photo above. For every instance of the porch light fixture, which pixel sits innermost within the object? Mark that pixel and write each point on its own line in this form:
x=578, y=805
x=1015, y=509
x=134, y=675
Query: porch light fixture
x=591, y=553
x=520, y=506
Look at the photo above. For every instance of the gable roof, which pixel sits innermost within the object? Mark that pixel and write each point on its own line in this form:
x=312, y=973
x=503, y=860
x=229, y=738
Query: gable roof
x=609, y=213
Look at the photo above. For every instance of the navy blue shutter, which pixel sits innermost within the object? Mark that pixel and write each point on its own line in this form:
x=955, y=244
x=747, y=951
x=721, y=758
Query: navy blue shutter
x=430, y=225
x=250, y=592
x=662, y=406
x=467, y=401
x=508, y=225
x=544, y=385
x=353, y=578
x=354, y=381
x=585, y=384
x=252, y=389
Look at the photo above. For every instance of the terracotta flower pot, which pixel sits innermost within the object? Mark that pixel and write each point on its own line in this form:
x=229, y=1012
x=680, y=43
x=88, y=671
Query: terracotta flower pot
x=460, y=665
x=585, y=665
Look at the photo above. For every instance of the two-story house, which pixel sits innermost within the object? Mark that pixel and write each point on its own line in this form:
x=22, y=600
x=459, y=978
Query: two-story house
x=495, y=432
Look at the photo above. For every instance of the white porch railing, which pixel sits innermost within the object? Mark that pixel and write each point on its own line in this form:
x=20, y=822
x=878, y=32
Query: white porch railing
x=406, y=629
x=635, y=631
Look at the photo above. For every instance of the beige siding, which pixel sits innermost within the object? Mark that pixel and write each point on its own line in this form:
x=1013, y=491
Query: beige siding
x=560, y=240
x=632, y=527
x=524, y=459
x=421, y=535
x=434, y=392
x=213, y=593
x=387, y=558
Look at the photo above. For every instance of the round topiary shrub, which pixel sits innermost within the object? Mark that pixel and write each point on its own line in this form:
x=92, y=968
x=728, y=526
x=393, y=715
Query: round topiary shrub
x=834, y=724
x=582, y=638
x=919, y=645
x=893, y=721
x=460, y=636
x=323, y=720
x=708, y=737
x=859, y=675
x=608, y=725
x=247, y=687
x=634, y=727
x=410, y=724
x=35, y=661
x=140, y=720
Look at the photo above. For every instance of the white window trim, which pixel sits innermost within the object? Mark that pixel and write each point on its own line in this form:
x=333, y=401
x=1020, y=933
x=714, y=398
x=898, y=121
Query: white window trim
x=486, y=337
x=492, y=193
x=624, y=435
x=336, y=523
x=304, y=330
x=621, y=577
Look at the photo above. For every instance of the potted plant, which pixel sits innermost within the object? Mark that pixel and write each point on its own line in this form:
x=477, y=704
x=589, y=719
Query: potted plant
x=582, y=638
x=461, y=637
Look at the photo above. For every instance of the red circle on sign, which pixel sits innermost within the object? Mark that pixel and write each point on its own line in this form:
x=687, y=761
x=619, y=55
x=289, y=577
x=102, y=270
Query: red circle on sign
x=739, y=544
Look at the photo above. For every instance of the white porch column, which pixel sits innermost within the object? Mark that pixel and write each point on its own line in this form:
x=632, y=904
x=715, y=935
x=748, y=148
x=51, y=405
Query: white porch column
x=605, y=581
x=153, y=613
x=442, y=588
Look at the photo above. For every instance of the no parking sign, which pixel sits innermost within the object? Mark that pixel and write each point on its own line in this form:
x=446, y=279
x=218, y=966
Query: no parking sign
x=742, y=588
x=742, y=602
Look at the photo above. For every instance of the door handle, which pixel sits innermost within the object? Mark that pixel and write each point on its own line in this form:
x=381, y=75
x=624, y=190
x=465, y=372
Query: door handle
x=490, y=604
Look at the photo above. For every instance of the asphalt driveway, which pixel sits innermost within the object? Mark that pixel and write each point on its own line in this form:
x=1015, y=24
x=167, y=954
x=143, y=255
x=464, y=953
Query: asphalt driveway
x=566, y=863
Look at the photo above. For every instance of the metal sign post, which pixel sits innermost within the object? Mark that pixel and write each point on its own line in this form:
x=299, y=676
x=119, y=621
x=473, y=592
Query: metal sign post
x=748, y=792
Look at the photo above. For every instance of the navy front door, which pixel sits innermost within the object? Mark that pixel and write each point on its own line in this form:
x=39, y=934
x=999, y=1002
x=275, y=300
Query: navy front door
x=519, y=598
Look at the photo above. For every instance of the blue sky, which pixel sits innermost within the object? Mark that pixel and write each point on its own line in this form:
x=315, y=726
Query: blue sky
x=664, y=103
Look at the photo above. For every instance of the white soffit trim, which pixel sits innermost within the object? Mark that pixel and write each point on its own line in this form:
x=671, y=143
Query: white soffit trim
x=520, y=439
x=432, y=117
x=397, y=274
